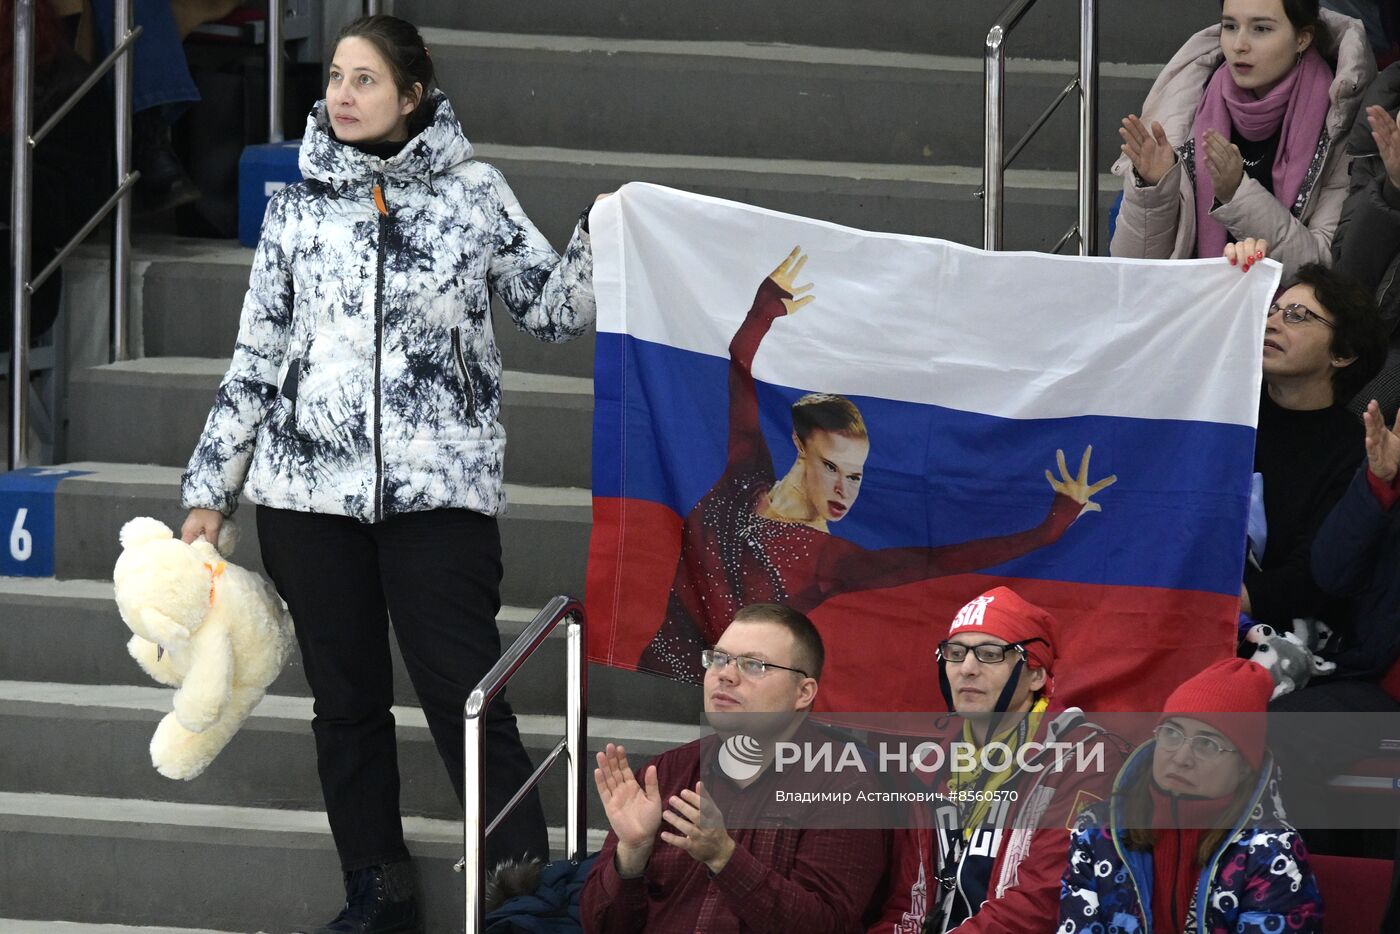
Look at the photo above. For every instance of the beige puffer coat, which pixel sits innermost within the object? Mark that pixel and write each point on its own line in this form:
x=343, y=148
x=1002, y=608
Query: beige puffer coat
x=1159, y=221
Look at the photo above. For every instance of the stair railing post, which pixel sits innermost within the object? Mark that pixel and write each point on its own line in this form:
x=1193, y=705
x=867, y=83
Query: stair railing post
x=1088, y=128
x=474, y=825
x=576, y=739
x=122, y=72
x=21, y=195
x=276, y=11
x=993, y=143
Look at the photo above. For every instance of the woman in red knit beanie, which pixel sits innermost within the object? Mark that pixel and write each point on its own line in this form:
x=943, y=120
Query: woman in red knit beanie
x=1194, y=838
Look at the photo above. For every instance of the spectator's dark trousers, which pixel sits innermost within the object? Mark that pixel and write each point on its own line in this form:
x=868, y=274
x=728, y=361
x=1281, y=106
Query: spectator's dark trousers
x=437, y=574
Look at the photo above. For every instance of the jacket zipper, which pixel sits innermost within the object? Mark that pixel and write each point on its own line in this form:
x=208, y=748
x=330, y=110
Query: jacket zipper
x=1132, y=877
x=379, y=350
x=1176, y=863
x=1145, y=907
x=461, y=360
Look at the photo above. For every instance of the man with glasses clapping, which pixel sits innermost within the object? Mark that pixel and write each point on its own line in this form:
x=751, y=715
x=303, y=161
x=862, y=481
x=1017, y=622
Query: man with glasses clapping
x=696, y=844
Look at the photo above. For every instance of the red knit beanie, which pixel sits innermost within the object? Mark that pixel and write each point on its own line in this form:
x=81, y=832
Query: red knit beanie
x=1219, y=695
x=1002, y=614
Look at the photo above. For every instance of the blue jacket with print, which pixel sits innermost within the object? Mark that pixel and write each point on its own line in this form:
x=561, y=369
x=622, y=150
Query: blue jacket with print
x=365, y=381
x=1256, y=882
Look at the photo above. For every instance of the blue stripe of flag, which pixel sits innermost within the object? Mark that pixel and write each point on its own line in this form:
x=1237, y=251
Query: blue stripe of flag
x=936, y=475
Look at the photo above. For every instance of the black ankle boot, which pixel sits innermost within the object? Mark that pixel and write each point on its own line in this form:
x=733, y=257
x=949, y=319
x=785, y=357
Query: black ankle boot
x=163, y=184
x=378, y=900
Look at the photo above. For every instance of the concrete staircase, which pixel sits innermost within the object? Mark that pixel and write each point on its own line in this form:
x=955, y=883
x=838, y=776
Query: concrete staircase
x=772, y=103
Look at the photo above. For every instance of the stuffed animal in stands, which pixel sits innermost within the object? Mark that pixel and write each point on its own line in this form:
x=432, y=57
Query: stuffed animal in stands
x=216, y=631
x=1288, y=656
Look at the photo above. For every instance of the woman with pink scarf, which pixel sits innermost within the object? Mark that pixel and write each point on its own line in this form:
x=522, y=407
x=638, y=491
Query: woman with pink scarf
x=1242, y=135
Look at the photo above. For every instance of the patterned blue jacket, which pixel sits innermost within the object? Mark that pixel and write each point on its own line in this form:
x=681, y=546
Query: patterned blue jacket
x=365, y=381
x=1256, y=882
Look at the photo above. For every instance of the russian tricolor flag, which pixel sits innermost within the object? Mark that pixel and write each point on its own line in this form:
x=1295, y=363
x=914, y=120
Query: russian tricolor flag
x=881, y=447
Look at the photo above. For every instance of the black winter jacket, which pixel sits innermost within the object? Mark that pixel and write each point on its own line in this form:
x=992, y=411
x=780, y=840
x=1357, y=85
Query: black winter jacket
x=1355, y=555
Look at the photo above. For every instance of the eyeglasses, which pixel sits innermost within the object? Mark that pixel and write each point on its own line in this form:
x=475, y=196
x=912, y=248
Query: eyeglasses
x=1205, y=748
x=989, y=653
x=1297, y=314
x=749, y=667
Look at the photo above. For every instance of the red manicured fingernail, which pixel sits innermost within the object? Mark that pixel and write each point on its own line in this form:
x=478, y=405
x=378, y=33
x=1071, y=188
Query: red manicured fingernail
x=1259, y=255
x=1232, y=262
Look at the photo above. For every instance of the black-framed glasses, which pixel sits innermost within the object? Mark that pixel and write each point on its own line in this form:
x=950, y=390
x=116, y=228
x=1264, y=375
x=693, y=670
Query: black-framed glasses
x=989, y=653
x=1297, y=313
x=1205, y=748
x=749, y=667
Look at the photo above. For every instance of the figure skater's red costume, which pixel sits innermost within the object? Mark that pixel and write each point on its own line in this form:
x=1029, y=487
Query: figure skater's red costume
x=731, y=556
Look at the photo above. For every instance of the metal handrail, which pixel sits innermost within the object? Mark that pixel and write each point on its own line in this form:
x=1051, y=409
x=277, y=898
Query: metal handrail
x=995, y=164
x=573, y=746
x=276, y=11
x=23, y=286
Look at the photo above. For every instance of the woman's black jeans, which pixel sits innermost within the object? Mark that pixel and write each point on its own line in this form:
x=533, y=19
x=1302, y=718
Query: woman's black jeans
x=437, y=574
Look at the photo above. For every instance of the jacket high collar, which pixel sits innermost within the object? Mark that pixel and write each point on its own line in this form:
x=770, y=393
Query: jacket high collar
x=439, y=147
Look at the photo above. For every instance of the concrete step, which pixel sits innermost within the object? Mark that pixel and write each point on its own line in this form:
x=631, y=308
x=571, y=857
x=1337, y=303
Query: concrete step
x=69, y=632
x=1130, y=30
x=554, y=184
x=94, y=740
x=734, y=99
x=548, y=419
x=544, y=535
x=922, y=200
x=122, y=861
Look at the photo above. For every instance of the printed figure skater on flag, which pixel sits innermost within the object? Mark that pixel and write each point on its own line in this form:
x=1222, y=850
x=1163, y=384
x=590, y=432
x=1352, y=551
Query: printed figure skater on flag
x=753, y=540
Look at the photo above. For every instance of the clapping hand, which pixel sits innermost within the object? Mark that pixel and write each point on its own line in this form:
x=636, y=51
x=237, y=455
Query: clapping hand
x=633, y=808
x=1150, y=152
x=1225, y=164
x=699, y=827
x=1385, y=130
x=1382, y=443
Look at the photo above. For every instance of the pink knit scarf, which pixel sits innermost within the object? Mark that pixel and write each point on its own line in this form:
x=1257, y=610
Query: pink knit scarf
x=1296, y=109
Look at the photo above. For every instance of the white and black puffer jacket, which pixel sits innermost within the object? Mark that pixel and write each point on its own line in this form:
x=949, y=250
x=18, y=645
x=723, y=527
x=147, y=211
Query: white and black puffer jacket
x=366, y=379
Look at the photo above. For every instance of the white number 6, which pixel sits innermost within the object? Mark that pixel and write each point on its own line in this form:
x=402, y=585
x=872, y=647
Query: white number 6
x=21, y=542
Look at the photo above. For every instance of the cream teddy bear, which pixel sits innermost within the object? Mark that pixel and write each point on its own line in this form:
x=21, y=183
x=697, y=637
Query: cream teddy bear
x=214, y=630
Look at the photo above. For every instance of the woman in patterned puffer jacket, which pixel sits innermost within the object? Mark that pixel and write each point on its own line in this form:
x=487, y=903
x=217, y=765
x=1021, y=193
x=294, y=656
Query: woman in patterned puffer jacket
x=361, y=415
x=1193, y=839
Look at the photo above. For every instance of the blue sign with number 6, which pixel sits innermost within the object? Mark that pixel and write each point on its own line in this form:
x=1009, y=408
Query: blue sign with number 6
x=27, y=520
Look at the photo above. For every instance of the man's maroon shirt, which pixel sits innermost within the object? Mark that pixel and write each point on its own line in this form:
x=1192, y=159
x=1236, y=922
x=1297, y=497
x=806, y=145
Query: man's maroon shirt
x=781, y=877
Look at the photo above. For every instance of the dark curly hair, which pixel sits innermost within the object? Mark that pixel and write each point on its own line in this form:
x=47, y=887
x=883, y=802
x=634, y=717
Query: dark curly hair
x=1357, y=333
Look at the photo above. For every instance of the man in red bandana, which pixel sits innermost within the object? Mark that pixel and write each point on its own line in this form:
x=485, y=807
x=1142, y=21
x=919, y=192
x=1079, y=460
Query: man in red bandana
x=988, y=856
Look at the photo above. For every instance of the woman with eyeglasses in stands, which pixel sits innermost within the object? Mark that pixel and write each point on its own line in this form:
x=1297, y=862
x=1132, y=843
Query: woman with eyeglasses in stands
x=1242, y=136
x=1193, y=838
